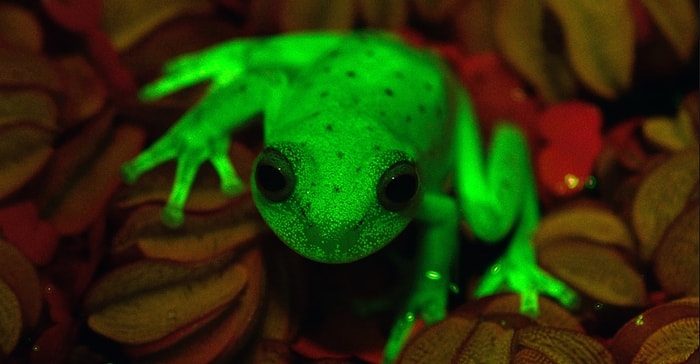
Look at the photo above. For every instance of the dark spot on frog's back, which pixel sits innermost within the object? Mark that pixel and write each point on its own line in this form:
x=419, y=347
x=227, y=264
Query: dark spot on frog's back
x=340, y=155
x=389, y=92
x=329, y=127
x=350, y=74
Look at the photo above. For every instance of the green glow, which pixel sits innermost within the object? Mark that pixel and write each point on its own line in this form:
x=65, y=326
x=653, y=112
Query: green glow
x=361, y=132
x=433, y=275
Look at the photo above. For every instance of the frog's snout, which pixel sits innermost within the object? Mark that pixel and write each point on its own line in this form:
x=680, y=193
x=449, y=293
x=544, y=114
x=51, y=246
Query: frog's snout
x=334, y=244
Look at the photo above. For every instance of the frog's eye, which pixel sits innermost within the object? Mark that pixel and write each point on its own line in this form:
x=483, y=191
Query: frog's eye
x=398, y=186
x=274, y=175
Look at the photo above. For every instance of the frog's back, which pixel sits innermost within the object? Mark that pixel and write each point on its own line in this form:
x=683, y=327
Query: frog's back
x=375, y=92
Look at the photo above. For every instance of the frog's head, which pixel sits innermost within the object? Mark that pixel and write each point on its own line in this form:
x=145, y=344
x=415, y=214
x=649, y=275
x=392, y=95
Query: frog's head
x=335, y=206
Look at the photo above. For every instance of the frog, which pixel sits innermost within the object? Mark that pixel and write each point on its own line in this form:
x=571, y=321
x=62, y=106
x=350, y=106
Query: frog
x=361, y=133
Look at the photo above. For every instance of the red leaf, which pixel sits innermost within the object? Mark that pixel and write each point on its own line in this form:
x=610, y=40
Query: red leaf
x=571, y=132
x=35, y=238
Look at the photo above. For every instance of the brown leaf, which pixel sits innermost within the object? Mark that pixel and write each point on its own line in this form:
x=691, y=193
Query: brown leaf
x=435, y=10
x=389, y=14
x=562, y=346
x=28, y=106
x=596, y=224
x=488, y=342
x=661, y=197
x=474, y=25
x=10, y=319
x=127, y=21
x=151, y=315
x=518, y=29
x=674, y=343
x=22, y=68
x=24, y=149
x=201, y=237
x=85, y=93
x=311, y=14
x=597, y=271
x=18, y=273
x=674, y=134
x=19, y=28
x=678, y=22
x=224, y=335
x=674, y=322
x=84, y=173
x=438, y=343
x=599, y=42
x=551, y=314
x=677, y=259
x=144, y=276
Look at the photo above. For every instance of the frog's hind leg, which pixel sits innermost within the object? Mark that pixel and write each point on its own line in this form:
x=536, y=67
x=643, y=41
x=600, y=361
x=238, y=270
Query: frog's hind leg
x=498, y=196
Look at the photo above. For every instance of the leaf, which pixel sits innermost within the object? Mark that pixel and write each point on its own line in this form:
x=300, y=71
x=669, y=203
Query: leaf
x=200, y=238
x=152, y=315
x=678, y=22
x=674, y=134
x=28, y=106
x=224, y=335
x=127, y=21
x=639, y=338
x=562, y=346
x=84, y=173
x=35, y=238
x=488, y=342
x=661, y=197
x=435, y=10
x=496, y=91
x=10, y=319
x=438, y=343
x=78, y=16
x=389, y=14
x=518, y=29
x=474, y=26
x=22, y=68
x=85, y=93
x=300, y=15
x=142, y=277
x=551, y=314
x=23, y=151
x=571, y=133
x=593, y=223
x=677, y=259
x=19, y=275
x=595, y=270
x=599, y=39
x=19, y=28
x=675, y=343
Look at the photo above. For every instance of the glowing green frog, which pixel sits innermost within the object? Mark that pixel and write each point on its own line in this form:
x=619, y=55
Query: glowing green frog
x=361, y=132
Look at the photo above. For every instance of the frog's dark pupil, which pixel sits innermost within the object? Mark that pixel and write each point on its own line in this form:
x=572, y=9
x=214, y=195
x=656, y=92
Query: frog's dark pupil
x=402, y=188
x=270, y=178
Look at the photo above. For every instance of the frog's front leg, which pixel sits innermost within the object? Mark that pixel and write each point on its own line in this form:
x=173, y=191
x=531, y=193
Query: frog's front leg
x=499, y=198
x=438, y=217
x=202, y=135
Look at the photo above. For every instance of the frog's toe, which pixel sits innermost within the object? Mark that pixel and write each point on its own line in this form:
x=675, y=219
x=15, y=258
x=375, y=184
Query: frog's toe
x=231, y=184
x=172, y=216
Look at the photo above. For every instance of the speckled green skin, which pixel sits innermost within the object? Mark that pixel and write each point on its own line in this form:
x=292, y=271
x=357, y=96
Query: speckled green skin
x=367, y=104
